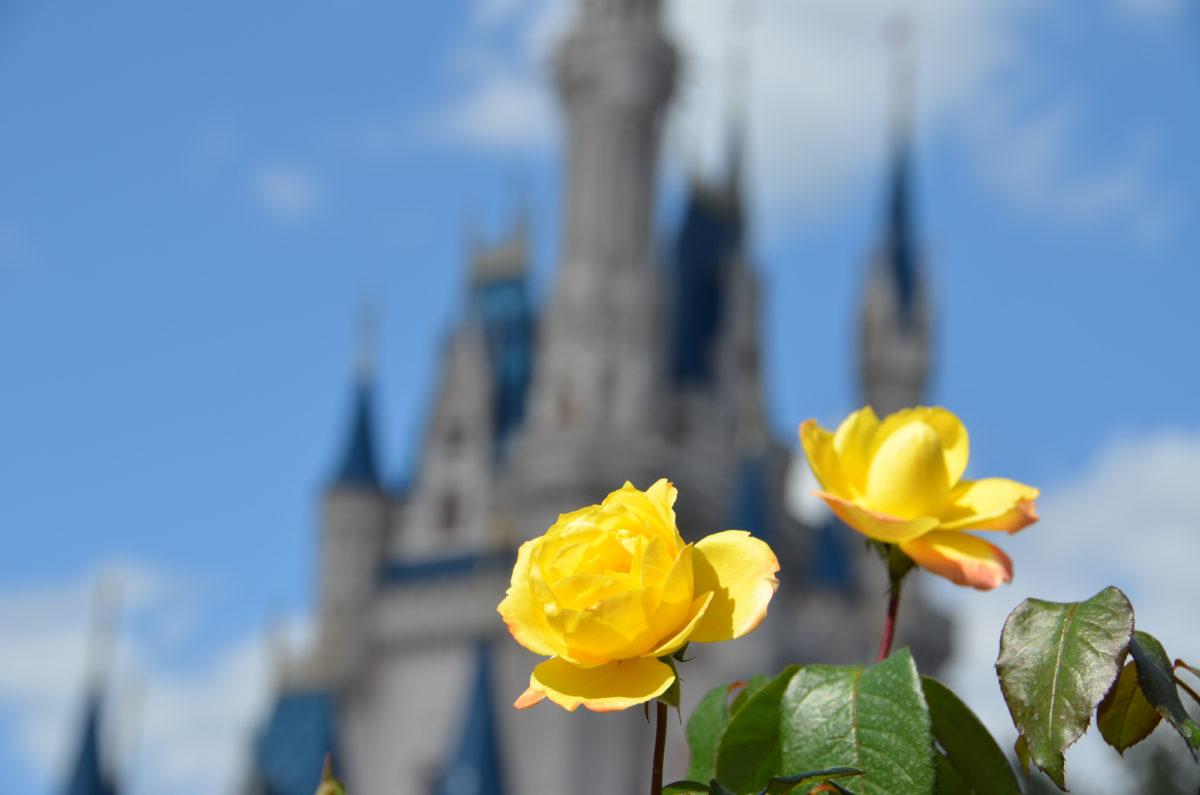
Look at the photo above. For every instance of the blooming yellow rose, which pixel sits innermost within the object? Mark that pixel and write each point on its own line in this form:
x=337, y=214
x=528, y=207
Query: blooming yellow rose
x=899, y=481
x=612, y=587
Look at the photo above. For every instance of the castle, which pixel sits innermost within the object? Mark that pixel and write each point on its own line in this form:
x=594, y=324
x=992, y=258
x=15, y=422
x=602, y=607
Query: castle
x=637, y=368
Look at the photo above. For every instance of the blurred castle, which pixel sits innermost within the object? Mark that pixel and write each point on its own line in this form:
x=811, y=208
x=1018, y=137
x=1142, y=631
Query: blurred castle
x=636, y=369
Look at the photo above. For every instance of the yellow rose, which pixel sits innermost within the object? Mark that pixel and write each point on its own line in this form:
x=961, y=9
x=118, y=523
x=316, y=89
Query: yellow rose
x=612, y=587
x=899, y=481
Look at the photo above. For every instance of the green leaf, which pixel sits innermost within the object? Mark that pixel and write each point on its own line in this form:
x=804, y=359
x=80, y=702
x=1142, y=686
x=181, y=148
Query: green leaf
x=782, y=784
x=872, y=718
x=949, y=782
x=1057, y=660
x=748, y=690
x=708, y=722
x=749, y=752
x=969, y=749
x=716, y=788
x=682, y=787
x=1125, y=717
x=1157, y=681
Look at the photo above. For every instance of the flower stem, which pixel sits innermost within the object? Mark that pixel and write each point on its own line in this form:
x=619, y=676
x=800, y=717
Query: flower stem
x=889, y=624
x=660, y=746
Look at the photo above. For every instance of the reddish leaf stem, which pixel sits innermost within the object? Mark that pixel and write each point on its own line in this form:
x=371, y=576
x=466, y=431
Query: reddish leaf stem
x=889, y=624
x=1183, y=685
x=660, y=746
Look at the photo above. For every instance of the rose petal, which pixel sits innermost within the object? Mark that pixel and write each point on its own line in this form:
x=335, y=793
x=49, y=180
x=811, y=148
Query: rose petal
x=961, y=558
x=949, y=428
x=852, y=441
x=615, y=685
x=879, y=526
x=907, y=476
x=991, y=504
x=676, y=641
x=740, y=571
x=823, y=458
x=522, y=613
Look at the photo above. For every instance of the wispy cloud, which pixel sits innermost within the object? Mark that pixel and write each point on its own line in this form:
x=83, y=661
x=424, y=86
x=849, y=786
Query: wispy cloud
x=1125, y=521
x=284, y=191
x=1031, y=157
x=817, y=99
x=181, y=726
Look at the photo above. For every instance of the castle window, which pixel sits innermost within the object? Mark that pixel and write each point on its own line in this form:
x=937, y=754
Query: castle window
x=454, y=437
x=448, y=512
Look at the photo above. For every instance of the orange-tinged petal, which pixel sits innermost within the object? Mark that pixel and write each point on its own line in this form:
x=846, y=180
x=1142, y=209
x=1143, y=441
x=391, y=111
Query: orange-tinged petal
x=676, y=641
x=740, y=571
x=616, y=685
x=529, y=698
x=949, y=428
x=852, y=441
x=823, y=458
x=522, y=612
x=876, y=525
x=991, y=504
x=961, y=558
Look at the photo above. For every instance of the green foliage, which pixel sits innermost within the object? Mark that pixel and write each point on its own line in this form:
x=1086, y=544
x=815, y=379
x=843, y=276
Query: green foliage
x=778, y=785
x=708, y=722
x=749, y=753
x=968, y=760
x=874, y=719
x=1057, y=661
x=1157, y=682
x=1125, y=717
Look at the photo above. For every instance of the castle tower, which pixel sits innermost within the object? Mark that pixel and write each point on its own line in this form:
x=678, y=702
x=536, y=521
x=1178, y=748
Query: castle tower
x=896, y=317
x=595, y=395
x=354, y=528
x=480, y=402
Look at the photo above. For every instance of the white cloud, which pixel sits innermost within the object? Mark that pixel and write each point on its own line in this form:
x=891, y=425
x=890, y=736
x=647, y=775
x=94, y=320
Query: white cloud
x=817, y=96
x=1029, y=156
x=504, y=112
x=179, y=727
x=1131, y=520
x=286, y=192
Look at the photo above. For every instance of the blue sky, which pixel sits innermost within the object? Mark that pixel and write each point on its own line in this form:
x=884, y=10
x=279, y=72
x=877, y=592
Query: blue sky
x=195, y=197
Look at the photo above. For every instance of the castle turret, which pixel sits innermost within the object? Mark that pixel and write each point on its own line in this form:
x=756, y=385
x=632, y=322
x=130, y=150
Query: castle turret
x=896, y=317
x=596, y=409
x=480, y=401
x=354, y=528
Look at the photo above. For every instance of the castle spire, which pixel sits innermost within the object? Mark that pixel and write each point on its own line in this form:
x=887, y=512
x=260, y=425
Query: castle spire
x=737, y=96
x=896, y=317
x=899, y=246
x=599, y=367
x=358, y=467
x=89, y=773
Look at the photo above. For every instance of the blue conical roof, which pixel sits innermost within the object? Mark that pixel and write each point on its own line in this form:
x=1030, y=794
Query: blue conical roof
x=88, y=776
x=292, y=747
x=358, y=466
x=475, y=768
x=900, y=247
